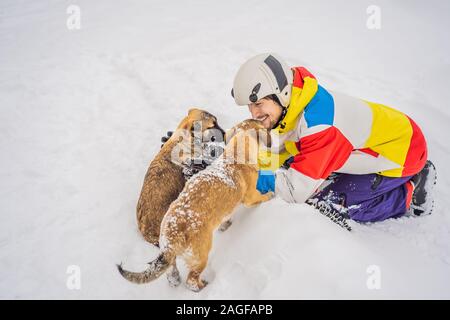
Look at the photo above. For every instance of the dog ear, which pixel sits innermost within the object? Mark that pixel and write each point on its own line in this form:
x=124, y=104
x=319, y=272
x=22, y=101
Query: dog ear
x=264, y=137
x=229, y=134
x=269, y=139
x=188, y=121
x=263, y=134
x=185, y=124
x=192, y=110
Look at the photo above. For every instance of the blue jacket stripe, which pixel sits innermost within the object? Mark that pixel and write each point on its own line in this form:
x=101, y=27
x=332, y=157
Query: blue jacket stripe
x=320, y=110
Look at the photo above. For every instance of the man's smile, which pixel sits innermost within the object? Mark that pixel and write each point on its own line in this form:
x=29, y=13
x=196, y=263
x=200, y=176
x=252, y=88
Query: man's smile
x=262, y=118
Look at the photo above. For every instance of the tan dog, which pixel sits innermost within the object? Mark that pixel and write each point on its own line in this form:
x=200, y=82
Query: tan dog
x=164, y=179
x=206, y=201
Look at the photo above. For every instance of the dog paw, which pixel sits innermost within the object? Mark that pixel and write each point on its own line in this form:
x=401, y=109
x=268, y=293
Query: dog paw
x=174, y=279
x=197, y=286
x=225, y=225
x=270, y=195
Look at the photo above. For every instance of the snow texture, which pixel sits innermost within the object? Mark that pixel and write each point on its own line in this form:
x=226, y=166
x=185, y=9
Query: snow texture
x=82, y=113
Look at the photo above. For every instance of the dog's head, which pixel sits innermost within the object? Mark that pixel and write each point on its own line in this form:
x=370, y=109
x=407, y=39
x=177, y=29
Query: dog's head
x=198, y=119
x=248, y=126
x=204, y=138
x=244, y=140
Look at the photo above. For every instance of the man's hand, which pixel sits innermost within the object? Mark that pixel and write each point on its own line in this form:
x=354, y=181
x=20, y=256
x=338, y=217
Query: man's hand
x=268, y=160
x=166, y=137
x=266, y=181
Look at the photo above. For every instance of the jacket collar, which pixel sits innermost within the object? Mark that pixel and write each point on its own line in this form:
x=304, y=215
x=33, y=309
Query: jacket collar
x=303, y=90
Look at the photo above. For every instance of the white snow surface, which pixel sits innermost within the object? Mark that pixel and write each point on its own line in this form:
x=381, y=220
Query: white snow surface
x=82, y=113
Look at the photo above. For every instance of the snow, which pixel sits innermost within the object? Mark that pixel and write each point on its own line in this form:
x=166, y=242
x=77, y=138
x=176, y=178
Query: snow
x=82, y=113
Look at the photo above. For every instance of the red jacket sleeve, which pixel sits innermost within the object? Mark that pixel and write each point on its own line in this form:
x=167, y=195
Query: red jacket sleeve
x=322, y=153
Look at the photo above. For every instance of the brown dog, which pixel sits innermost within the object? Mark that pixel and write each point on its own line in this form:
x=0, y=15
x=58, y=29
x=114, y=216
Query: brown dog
x=164, y=179
x=205, y=203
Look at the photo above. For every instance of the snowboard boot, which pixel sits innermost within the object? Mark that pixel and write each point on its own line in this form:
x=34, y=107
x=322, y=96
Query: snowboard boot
x=423, y=182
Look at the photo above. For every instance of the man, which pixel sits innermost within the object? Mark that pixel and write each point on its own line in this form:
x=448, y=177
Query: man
x=373, y=158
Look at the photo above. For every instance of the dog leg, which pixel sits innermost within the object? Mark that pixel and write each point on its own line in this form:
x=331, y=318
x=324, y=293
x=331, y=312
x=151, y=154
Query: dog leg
x=225, y=225
x=197, y=263
x=173, y=276
x=193, y=281
x=253, y=198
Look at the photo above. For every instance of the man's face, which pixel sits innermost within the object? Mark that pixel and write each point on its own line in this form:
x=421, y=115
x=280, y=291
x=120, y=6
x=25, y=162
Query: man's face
x=267, y=111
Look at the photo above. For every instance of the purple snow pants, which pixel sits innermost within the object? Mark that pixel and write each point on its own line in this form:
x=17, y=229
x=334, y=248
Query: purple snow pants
x=368, y=197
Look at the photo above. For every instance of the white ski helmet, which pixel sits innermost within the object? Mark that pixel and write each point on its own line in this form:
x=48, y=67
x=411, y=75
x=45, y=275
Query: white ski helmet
x=261, y=76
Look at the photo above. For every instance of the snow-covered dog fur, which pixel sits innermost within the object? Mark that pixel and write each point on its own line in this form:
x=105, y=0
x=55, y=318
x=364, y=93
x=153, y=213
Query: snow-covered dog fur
x=164, y=179
x=206, y=202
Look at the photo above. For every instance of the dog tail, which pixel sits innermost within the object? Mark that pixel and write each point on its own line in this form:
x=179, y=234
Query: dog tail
x=155, y=269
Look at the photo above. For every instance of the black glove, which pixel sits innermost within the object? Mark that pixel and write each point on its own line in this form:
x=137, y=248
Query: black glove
x=287, y=164
x=166, y=137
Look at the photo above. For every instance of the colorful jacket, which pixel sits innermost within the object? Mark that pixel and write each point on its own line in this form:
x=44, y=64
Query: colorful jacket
x=329, y=132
